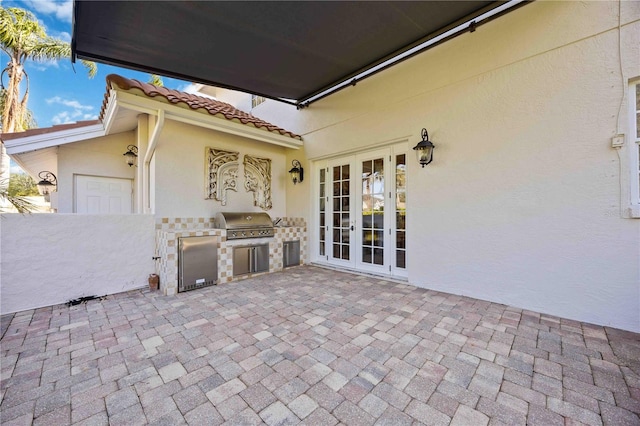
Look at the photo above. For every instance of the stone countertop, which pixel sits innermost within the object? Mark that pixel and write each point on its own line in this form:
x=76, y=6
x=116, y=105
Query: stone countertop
x=194, y=231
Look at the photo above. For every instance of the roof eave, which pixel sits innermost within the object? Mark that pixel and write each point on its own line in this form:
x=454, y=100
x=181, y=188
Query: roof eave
x=201, y=118
x=47, y=140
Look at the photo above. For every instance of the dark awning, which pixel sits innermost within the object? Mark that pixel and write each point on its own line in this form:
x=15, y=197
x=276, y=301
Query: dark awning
x=281, y=50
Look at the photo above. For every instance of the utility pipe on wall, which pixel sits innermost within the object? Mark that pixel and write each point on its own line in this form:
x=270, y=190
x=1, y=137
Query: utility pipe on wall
x=153, y=141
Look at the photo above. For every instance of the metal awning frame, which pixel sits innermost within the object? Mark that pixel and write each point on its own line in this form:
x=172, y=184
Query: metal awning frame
x=467, y=24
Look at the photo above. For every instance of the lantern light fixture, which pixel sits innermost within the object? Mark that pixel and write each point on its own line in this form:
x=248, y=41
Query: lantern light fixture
x=48, y=182
x=297, y=172
x=424, y=149
x=131, y=155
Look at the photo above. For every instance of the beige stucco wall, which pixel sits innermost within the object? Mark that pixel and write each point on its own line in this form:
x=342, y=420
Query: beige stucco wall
x=180, y=172
x=97, y=157
x=522, y=202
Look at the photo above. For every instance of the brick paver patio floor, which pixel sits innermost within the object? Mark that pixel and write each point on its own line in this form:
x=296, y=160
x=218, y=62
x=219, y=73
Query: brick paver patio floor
x=312, y=346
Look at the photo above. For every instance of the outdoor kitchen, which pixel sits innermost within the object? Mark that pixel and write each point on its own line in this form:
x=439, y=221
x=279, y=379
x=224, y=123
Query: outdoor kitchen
x=197, y=252
x=230, y=246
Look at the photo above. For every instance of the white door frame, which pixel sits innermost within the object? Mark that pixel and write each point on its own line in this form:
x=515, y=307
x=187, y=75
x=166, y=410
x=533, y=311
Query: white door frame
x=388, y=154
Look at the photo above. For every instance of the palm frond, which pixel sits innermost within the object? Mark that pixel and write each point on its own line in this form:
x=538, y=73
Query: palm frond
x=92, y=68
x=156, y=80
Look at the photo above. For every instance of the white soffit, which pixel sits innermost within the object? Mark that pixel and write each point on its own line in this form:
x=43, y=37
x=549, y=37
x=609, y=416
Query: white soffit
x=34, y=162
x=51, y=139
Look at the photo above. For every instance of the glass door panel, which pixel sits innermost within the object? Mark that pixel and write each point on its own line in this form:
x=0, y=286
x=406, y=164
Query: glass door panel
x=322, y=213
x=341, y=222
x=401, y=211
x=372, y=196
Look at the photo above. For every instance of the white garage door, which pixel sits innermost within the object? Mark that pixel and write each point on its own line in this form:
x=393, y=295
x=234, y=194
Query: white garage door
x=103, y=195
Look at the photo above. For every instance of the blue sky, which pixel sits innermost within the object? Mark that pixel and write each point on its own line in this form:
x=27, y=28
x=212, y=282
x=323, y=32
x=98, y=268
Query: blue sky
x=61, y=92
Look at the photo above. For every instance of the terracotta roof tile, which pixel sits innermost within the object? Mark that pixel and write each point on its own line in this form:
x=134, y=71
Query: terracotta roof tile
x=194, y=102
x=44, y=130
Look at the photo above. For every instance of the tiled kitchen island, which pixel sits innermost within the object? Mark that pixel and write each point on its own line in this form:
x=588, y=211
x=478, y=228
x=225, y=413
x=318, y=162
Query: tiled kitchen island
x=169, y=230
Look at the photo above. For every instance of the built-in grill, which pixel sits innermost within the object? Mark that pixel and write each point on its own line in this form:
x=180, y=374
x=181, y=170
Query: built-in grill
x=244, y=225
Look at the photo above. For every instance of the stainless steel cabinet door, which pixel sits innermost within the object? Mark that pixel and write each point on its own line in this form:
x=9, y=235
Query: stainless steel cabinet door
x=291, y=253
x=197, y=262
x=242, y=260
x=261, y=258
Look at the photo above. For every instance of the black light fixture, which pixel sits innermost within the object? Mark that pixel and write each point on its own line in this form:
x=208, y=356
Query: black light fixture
x=47, y=182
x=424, y=149
x=131, y=155
x=297, y=172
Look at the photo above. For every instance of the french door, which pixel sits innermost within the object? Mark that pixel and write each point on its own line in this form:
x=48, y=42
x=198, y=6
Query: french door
x=361, y=206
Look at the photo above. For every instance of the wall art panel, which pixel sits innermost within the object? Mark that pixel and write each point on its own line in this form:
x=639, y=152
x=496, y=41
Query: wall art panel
x=222, y=173
x=257, y=179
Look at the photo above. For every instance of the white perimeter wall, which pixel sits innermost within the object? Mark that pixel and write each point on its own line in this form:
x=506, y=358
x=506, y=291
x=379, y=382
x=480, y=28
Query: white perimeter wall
x=47, y=259
x=522, y=203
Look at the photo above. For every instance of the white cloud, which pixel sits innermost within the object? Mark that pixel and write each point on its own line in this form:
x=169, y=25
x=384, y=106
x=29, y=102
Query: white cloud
x=193, y=89
x=62, y=10
x=66, y=117
x=73, y=111
x=188, y=88
x=69, y=103
x=62, y=118
x=62, y=35
x=44, y=65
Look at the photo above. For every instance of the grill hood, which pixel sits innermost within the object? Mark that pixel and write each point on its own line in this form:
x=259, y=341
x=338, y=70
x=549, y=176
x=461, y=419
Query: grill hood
x=244, y=224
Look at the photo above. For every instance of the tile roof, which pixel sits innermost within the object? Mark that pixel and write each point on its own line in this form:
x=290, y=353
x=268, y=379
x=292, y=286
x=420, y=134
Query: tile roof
x=44, y=130
x=195, y=102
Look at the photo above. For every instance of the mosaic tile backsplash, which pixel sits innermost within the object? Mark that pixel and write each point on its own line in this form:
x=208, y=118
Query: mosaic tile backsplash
x=168, y=230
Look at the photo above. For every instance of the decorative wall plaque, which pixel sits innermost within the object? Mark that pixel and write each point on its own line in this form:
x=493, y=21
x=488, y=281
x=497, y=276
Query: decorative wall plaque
x=222, y=173
x=257, y=179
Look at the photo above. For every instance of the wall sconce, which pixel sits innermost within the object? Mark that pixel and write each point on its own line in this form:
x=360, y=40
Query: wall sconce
x=424, y=149
x=47, y=182
x=297, y=172
x=131, y=155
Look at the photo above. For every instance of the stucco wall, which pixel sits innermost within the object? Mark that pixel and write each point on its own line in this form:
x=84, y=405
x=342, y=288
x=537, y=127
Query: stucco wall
x=97, y=157
x=180, y=172
x=522, y=202
x=50, y=259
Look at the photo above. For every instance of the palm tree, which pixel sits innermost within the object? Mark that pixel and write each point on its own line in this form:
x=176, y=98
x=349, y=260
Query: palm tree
x=156, y=80
x=23, y=38
x=28, y=121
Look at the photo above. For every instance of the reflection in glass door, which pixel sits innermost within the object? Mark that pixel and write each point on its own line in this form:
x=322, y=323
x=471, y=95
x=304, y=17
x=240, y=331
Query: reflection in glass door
x=373, y=201
x=322, y=210
x=341, y=212
x=401, y=214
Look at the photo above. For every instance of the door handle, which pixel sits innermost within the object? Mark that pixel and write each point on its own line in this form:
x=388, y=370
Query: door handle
x=352, y=228
x=254, y=258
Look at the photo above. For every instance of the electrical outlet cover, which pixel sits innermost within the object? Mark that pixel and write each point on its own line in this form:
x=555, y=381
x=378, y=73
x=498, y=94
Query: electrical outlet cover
x=617, y=141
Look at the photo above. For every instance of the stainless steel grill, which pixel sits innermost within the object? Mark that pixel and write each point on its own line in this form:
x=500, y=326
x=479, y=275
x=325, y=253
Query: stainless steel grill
x=244, y=225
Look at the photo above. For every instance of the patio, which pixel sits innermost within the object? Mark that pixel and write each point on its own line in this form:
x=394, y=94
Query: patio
x=315, y=346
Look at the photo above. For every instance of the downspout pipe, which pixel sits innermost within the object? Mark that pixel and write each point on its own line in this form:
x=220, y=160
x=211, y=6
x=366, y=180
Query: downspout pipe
x=153, y=140
x=151, y=148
